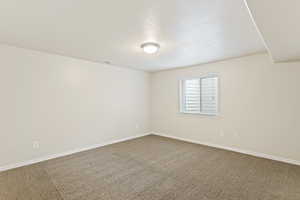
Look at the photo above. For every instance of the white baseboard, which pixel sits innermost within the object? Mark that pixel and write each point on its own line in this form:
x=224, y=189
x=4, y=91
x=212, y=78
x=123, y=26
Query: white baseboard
x=256, y=154
x=37, y=160
x=252, y=153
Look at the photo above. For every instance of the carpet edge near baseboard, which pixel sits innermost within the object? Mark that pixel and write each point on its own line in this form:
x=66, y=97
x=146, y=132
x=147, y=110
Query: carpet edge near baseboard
x=248, y=152
x=57, y=155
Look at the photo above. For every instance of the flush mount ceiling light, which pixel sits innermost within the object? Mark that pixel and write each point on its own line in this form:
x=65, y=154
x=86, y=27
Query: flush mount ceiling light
x=150, y=47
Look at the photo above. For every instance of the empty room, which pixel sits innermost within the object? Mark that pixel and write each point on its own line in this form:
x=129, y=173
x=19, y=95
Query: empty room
x=149, y=100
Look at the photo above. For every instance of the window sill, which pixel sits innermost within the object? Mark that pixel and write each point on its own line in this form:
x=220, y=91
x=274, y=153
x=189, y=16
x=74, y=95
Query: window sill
x=203, y=114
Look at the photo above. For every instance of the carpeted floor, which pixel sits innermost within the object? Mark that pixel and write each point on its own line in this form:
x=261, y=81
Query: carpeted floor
x=153, y=168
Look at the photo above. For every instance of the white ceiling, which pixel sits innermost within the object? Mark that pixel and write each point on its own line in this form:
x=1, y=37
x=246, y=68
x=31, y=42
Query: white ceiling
x=278, y=22
x=189, y=32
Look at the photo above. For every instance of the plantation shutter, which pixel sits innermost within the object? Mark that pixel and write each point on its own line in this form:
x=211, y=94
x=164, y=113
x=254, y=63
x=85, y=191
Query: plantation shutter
x=209, y=88
x=192, y=96
x=200, y=95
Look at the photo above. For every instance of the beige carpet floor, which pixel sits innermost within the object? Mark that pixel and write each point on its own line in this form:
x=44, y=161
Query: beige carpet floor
x=153, y=168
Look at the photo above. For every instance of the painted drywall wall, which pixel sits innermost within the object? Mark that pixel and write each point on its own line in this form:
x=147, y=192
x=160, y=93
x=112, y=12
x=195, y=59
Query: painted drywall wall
x=259, y=106
x=278, y=24
x=65, y=104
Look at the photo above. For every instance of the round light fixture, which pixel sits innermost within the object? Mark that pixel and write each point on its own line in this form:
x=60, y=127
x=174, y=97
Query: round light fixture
x=150, y=47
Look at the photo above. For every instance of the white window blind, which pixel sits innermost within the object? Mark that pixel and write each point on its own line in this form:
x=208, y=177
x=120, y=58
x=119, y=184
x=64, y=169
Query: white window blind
x=200, y=95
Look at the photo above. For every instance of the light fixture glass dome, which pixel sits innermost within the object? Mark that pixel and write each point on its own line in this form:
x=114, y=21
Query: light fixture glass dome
x=150, y=47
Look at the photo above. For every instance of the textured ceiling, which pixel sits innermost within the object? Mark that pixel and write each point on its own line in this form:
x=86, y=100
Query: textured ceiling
x=189, y=32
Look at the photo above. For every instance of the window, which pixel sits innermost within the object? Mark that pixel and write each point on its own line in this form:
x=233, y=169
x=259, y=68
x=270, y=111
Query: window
x=199, y=95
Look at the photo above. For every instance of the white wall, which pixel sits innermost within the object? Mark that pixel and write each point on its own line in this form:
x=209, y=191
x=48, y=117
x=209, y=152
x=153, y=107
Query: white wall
x=66, y=104
x=259, y=102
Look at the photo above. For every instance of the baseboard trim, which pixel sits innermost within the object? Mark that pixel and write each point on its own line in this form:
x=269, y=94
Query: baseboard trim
x=44, y=158
x=252, y=153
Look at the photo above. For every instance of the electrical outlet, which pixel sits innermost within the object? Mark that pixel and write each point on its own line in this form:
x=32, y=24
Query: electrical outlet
x=36, y=144
x=222, y=133
x=137, y=126
x=236, y=134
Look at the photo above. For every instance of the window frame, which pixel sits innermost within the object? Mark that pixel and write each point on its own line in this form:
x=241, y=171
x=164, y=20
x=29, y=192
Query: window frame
x=182, y=95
